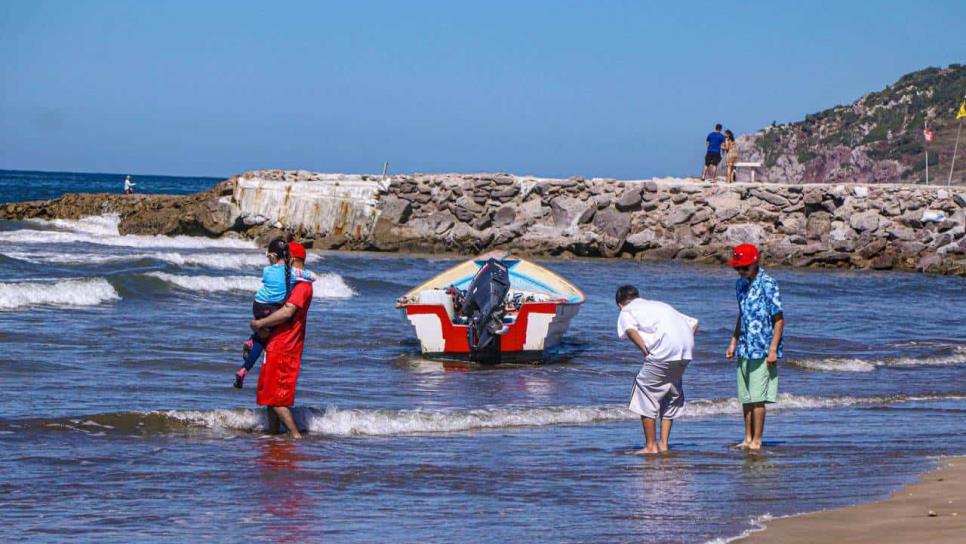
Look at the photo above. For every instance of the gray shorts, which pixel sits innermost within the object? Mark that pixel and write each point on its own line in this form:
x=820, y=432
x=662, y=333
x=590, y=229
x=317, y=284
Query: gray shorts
x=659, y=390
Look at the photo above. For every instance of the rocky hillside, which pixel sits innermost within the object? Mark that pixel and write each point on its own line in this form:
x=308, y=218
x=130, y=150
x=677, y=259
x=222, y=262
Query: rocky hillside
x=878, y=138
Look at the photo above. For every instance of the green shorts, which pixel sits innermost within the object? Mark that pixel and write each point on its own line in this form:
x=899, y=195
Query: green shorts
x=757, y=382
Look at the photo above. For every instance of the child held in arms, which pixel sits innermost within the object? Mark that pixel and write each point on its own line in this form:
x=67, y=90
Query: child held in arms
x=277, y=281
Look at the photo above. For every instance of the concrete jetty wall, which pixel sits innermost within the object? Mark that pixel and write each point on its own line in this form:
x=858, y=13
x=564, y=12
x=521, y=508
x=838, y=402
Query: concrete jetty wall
x=335, y=204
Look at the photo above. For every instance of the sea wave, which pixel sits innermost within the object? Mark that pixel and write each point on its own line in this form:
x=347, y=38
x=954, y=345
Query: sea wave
x=102, y=230
x=334, y=421
x=63, y=293
x=956, y=356
x=327, y=285
x=100, y=225
x=202, y=260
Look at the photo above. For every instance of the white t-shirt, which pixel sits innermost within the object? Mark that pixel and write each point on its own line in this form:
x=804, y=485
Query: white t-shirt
x=667, y=333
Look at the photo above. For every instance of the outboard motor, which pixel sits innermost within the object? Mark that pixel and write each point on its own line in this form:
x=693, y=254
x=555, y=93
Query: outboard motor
x=484, y=308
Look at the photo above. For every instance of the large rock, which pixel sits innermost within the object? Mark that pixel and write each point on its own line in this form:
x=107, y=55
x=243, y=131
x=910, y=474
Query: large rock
x=865, y=221
x=567, y=211
x=818, y=226
x=612, y=222
x=771, y=198
x=726, y=214
x=466, y=209
x=395, y=209
x=679, y=215
x=793, y=223
x=645, y=239
x=630, y=200
x=504, y=216
x=506, y=194
x=469, y=204
x=743, y=233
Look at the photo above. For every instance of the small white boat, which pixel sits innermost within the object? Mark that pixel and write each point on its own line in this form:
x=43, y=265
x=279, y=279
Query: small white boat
x=491, y=309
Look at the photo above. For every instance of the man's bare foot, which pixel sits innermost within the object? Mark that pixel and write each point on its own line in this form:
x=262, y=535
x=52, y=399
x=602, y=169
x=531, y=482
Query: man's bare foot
x=663, y=448
x=741, y=445
x=295, y=435
x=754, y=446
x=644, y=451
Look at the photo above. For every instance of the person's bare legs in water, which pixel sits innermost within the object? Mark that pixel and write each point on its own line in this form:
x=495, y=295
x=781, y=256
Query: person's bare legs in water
x=282, y=415
x=652, y=443
x=754, y=425
x=665, y=435
x=749, y=425
x=650, y=437
x=758, y=421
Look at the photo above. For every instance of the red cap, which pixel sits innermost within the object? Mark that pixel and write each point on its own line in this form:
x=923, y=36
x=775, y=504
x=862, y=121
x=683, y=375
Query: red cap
x=744, y=255
x=296, y=250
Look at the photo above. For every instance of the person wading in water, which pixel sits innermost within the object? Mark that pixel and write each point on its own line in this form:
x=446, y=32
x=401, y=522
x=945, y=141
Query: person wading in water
x=283, y=350
x=757, y=341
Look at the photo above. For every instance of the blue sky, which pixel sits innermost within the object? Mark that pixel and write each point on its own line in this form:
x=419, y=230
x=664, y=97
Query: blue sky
x=554, y=88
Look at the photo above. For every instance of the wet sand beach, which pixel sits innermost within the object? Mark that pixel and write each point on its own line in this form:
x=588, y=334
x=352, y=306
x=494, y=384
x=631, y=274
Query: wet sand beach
x=930, y=511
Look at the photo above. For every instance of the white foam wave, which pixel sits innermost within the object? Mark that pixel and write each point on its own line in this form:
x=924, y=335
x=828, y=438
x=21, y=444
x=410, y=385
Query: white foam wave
x=834, y=364
x=210, y=284
x=80, y=292
x=206, y=260
x=222, y=419
x=326, y=286
x=331, y=285
x=350, y=422
x=100, y=225
x=364, y=422
x=102, y=230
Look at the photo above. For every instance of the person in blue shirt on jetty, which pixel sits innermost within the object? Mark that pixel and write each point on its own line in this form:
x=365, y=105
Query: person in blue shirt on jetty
x=757, y=341
x=713, y=156
x=278, y=278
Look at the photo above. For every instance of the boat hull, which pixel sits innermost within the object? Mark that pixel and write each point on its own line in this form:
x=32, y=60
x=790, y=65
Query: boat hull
x=534, y=335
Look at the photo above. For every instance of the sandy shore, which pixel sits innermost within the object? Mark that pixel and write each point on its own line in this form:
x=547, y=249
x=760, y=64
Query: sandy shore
x=931, y=511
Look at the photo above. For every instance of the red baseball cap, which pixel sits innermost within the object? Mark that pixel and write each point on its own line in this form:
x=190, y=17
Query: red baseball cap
x=296, y=250
x=744, y=255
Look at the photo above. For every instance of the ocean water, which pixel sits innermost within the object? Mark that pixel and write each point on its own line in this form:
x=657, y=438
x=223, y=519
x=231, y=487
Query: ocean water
x=118, y=422
x=18, y=185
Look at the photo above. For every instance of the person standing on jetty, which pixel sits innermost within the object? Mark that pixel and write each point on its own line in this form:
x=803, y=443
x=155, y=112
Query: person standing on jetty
x=666, y=339
x=713, y=155
x=128, y=185
x=731, y=161
x=757, y=341
x=283, y=350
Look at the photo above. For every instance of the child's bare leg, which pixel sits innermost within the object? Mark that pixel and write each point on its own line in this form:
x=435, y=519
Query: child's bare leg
x=252, y=355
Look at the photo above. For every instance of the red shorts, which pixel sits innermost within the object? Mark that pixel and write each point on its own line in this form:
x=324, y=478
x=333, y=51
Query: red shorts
x=277, y=379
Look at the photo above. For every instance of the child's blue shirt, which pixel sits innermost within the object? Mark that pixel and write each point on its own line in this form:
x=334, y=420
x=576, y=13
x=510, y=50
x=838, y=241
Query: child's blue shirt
x=273, y=282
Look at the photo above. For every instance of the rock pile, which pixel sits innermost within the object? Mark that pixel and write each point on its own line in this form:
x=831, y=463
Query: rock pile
x=878, y=226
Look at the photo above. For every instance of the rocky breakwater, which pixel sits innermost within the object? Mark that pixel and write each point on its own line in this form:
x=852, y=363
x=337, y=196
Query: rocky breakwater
x=876, y=226
x=202, y=214
x=881, y=226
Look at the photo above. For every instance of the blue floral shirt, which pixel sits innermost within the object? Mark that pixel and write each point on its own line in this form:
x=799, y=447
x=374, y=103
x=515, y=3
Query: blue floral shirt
x=758, y=302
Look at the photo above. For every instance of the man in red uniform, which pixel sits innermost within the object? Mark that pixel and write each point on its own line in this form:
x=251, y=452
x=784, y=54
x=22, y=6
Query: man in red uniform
x=283, y=351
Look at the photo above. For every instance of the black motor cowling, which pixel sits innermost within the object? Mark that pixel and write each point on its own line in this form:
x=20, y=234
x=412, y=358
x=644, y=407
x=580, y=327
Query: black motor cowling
x=484, y=308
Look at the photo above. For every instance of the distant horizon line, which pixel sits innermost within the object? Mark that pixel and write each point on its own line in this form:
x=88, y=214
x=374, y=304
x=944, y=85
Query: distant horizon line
x=33, y=171
x=391, y=173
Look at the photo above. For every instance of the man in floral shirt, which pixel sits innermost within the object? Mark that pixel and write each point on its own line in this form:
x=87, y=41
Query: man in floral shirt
x=757, y=340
